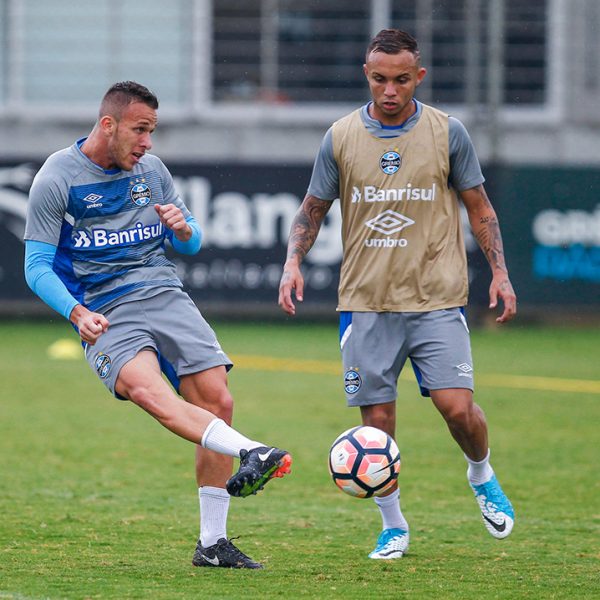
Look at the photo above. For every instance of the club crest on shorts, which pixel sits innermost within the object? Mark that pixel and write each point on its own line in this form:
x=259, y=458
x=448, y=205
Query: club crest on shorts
x=140, y=194
x=102, y=363
x=390, y=162
x=352, y=381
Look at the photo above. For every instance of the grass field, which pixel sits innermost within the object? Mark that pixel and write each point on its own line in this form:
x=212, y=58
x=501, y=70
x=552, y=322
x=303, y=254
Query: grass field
x=98, y=501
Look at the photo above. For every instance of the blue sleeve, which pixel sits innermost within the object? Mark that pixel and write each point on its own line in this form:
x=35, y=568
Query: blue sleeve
x=44, y=282
x=325, y=181
x=192, y=246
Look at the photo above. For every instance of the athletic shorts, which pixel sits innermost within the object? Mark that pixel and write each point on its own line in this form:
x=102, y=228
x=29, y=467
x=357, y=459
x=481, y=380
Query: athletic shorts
x=375, y=347
x=168, y=323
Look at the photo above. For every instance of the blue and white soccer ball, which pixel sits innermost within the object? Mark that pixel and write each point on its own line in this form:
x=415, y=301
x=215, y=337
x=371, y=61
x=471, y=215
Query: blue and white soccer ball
x=364, y=461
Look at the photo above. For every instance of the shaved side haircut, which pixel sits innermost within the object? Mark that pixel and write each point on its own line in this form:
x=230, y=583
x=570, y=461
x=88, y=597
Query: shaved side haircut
x=122, y=94
x=393, y=41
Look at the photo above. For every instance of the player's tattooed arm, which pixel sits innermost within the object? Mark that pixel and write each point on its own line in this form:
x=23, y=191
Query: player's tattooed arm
x=306, y=226
x=485, y=226
x=486, y=229
x=490, y=241
x=303, y=234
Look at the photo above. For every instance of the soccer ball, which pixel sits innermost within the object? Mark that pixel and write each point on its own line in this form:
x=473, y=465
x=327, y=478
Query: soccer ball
x=364, y=461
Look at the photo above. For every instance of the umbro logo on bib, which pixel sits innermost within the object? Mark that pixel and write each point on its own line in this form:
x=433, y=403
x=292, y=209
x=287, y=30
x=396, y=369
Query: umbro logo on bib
x=389, y=222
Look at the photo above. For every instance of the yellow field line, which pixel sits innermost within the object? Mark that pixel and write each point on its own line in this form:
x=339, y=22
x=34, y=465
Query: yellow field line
x=331, y=367
x=531, y=382
x=295, y=365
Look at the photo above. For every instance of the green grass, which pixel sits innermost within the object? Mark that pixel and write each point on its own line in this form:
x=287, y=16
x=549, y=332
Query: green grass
x=98, y=501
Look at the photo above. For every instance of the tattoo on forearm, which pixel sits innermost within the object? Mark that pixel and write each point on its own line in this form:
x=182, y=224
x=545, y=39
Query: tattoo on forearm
x=305, y=226
x=489, y=239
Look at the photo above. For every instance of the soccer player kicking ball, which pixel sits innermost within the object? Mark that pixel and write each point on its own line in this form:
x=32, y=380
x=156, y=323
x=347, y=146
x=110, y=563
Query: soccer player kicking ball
x=397, y=167
x=98, y=216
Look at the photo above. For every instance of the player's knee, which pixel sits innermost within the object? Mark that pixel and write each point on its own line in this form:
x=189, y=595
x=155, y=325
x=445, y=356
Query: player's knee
x=461, y=415
x=376, y=421
x=377, y=416
x=147, y=399
x=219, y=402
x=222, y=405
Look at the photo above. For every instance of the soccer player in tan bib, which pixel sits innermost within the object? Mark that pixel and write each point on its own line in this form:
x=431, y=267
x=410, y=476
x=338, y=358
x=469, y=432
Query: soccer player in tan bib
x=397, y=167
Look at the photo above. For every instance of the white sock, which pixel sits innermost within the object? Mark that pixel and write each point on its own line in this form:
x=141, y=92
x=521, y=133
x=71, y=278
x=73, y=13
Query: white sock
x=214, y=505
x=221, y=438
x=391, y=515
x=479, y=472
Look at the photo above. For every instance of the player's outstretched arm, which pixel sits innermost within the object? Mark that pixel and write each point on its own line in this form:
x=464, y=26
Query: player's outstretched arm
x=303, y=233
x=485, y=226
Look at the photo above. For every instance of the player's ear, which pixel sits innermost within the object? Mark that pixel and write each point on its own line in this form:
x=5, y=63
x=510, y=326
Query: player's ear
x=421, y=75
x=107, y=124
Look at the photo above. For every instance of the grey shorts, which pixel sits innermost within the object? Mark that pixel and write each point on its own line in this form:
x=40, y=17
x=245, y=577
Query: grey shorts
x=168, y=323
x=375, y=347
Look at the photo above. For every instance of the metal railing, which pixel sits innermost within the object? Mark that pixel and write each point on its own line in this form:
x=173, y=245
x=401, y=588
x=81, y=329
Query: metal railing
x=199, y=55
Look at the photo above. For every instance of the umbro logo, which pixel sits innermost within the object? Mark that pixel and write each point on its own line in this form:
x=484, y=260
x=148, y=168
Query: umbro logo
x=389, y=222
x=92, y=198
x=465, y=369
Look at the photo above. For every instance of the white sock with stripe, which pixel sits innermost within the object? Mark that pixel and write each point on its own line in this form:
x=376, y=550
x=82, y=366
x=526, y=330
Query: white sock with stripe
x=219, y=437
